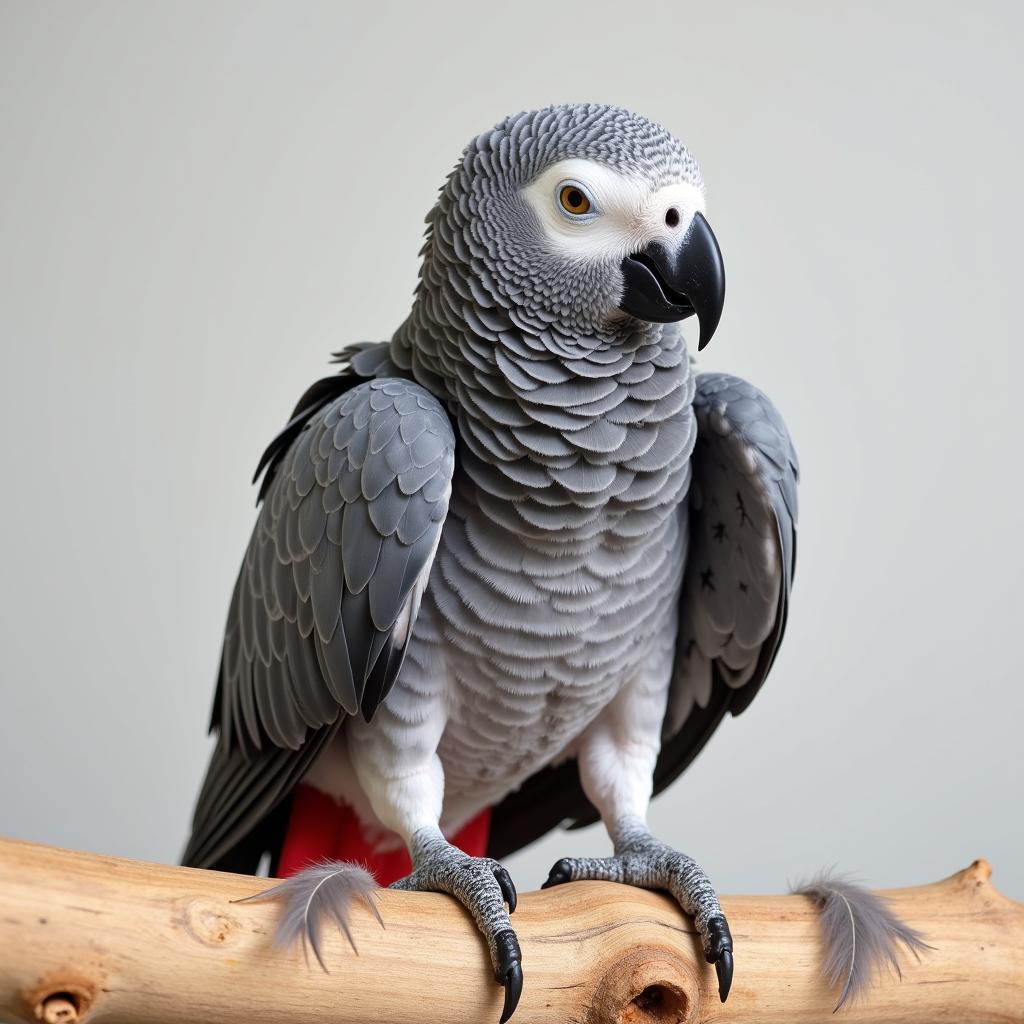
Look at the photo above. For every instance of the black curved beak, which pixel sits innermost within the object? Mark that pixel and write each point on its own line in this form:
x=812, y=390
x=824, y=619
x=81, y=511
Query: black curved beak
x=664, y=285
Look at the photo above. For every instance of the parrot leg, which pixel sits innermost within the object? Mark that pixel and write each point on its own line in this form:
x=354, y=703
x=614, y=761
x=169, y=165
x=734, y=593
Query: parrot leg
x=648, y=863
x=483, y=887
x=617, y=757
x=396, y=763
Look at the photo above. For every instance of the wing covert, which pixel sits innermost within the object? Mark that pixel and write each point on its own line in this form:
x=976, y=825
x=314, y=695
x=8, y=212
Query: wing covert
x=740, y=564
x=330, y=585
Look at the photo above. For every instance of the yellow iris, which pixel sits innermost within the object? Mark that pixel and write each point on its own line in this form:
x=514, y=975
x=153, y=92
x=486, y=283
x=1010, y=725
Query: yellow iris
x=573, y=200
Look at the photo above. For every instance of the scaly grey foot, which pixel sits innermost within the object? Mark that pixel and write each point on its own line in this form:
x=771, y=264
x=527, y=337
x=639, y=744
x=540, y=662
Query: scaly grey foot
x=648, y=863
x=483, y=887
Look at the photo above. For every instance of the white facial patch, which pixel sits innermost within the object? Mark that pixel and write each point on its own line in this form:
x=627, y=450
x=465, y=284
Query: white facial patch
x=627, y=212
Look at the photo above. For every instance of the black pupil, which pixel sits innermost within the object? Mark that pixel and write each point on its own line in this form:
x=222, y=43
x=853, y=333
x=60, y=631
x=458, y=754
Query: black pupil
x=574, y=197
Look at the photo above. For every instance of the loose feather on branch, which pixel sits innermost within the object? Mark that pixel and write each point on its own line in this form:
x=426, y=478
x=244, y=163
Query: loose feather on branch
x=861, y=934
x=322, y=891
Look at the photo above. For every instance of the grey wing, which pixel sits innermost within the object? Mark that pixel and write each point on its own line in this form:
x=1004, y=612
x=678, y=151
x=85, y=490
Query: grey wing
x=740, y=564
x=326, y=598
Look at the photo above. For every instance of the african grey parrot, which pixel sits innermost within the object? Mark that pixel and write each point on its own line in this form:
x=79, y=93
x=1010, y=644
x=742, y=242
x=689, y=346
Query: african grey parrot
x=513, y=566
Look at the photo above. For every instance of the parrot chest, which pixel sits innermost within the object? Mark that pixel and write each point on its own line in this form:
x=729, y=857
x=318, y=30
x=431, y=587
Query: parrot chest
x=536, y=635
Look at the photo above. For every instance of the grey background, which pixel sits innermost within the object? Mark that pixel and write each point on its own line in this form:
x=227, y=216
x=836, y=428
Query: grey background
x=199, y=201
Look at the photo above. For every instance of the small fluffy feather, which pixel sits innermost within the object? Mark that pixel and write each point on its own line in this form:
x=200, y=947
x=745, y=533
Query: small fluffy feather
x=323, y=891
x=861, y=934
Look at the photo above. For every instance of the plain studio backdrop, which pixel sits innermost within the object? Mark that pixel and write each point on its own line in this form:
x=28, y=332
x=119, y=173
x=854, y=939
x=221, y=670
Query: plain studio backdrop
x=198, y=202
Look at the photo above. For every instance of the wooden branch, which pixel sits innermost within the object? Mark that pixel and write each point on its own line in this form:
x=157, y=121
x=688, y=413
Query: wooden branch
x=84, y=937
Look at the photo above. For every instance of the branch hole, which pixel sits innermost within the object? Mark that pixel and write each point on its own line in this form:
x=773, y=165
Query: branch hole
x=59, y=1008
x=656, y=1004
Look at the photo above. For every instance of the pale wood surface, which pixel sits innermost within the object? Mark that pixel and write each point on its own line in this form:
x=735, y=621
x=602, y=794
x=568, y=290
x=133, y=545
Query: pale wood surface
x=84, y=937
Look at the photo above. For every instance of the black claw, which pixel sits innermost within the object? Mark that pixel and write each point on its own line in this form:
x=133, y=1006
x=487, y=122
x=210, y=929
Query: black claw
x=507, y=886
x=508, y=970
x=559, y=874
x=723, y=968
x=513, y=990
x=719, y=953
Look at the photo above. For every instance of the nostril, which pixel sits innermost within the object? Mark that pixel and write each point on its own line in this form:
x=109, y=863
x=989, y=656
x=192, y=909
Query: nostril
x=672, y=217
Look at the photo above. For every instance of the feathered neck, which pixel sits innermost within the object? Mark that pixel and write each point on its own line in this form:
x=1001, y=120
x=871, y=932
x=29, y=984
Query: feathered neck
x=561, y=446
x=494, y=363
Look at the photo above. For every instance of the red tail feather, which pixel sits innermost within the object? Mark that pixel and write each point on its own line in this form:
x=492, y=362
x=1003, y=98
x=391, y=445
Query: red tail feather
x=320, y=828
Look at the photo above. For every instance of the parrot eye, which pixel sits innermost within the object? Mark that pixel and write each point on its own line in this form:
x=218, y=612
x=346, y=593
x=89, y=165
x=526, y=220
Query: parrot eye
x=574, y=200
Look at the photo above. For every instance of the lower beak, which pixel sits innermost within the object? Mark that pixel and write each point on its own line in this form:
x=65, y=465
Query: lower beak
x=663, y=285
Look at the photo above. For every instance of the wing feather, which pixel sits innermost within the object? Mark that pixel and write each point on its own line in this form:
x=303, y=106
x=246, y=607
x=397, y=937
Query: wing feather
x=741, y=554
x=735, y=598
x=309, y=634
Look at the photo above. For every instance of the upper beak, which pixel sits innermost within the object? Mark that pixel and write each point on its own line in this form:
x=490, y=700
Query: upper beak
x=664, y=285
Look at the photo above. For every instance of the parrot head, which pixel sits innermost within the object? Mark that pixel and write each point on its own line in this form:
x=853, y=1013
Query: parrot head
x=580, y=221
